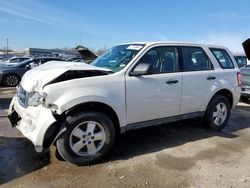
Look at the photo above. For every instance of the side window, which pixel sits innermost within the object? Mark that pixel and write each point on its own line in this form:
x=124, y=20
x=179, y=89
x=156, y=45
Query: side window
x=161, y=60
x=169, y=59
x=223, y=58
x=15, y=60
x=152, y=58
x=195, y=59
x=24, y=65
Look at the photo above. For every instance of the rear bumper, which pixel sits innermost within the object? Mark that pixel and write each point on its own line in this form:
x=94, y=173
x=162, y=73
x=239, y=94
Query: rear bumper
x=32, y=122
x=245, y=91
x=245, y=95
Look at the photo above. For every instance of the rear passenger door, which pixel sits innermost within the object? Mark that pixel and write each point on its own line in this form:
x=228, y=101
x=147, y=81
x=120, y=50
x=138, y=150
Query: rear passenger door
x=198, y=79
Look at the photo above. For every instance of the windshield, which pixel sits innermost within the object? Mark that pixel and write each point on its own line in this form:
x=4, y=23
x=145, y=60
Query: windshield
x=118, y=57
x=241, y=61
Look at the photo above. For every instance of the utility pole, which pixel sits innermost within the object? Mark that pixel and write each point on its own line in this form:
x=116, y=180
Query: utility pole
x=7, y=46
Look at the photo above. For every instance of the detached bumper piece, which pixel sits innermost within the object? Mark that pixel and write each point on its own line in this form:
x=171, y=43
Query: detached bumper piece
x=13, y=117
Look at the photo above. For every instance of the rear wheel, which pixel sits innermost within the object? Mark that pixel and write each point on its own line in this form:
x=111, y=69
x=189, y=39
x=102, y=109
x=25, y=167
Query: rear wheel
x=89, y=137
x=11, y=80
x=218, y=112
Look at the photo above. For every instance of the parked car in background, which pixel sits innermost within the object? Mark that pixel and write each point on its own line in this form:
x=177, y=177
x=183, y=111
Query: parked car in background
x=245, y=81
x=83, y=108
x=245, y=74
x=75, y=59
x=34, y=62
x=241, y=60
x=80, y=61
x=2, y=59
x=11, y=73
x=15, y=60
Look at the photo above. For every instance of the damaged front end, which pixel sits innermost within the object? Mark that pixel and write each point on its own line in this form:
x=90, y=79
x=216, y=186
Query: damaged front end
x=29, y=111
x=32, y=122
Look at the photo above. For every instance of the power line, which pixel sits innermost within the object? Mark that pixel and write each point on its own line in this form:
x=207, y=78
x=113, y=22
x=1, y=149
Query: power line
x=7, y=45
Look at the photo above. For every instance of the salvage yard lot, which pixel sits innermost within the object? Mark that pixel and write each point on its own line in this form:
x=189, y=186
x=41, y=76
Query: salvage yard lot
x=182, y=154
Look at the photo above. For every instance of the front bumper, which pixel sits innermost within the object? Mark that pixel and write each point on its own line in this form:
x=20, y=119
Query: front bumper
x=32, y=122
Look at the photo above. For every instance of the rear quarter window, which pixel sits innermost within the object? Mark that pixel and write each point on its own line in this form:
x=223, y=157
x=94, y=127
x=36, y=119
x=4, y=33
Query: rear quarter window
x=223, y=58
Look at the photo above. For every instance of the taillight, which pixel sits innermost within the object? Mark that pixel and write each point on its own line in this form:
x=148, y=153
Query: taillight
x=239, y=78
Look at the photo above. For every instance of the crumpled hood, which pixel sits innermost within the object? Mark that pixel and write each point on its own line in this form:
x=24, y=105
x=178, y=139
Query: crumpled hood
x=35, y=79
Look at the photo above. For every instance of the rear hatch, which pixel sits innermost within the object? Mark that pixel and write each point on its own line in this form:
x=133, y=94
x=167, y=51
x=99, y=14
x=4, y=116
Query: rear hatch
x=245, y=71
x=246, y=46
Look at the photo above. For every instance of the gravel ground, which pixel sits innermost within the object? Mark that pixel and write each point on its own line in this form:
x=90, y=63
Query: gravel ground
x=181, y=154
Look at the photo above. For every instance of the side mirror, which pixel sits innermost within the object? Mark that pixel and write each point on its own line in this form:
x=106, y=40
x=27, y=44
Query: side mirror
x=27, y=66
x=140, y=69
x=33, y=65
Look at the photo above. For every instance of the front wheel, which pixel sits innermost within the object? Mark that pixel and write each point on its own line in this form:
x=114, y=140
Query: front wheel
x=88, y=138
x=218, y=112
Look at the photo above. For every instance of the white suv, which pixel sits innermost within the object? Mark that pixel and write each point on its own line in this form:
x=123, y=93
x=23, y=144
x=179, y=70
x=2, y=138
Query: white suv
x=83, y=108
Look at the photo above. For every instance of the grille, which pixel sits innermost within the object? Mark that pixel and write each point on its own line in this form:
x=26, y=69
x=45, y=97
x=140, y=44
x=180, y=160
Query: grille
x=22, y=96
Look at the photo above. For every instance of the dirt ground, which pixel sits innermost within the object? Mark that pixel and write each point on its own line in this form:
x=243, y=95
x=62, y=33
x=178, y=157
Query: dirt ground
x=182, y=154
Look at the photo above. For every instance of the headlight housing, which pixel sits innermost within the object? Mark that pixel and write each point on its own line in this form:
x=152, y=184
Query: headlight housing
x=36, y=98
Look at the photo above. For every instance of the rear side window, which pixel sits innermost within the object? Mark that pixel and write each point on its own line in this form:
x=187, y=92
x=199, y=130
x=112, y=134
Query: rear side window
x=195, y=59
x=223, y=58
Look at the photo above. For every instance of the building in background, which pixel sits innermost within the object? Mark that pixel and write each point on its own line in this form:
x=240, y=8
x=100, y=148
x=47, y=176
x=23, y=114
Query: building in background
x=63, y=53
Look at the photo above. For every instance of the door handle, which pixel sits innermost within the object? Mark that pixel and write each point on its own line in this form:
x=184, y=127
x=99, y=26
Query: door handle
x=172, y=81
x=211, y=78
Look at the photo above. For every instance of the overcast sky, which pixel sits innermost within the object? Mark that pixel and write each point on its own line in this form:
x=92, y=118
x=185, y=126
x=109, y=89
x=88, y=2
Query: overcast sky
x=58, y=24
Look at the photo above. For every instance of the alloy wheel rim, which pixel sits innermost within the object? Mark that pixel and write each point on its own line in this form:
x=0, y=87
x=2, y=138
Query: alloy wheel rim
x=12, y=80
x=220, y=114
x=87, y=138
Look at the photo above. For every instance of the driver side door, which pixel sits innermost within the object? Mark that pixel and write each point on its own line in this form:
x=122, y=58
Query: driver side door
x=157, y=93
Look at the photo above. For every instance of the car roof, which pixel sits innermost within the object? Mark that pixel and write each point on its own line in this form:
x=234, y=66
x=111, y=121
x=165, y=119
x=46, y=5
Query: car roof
x=20, y=58
x=47, y=58
x=151, y=43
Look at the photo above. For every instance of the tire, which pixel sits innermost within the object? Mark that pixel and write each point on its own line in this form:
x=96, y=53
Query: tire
x=88, y=138
x=244, y=99
x=11, y=80
x=216, y=118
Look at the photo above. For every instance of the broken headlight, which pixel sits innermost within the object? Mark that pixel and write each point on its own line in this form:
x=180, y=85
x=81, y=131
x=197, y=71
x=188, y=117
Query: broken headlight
x=36, y=98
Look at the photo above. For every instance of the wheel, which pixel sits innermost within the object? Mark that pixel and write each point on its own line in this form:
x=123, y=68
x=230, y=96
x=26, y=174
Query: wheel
x=88, y=138
x=11, y=80
x=244, y=99
x=218, y=112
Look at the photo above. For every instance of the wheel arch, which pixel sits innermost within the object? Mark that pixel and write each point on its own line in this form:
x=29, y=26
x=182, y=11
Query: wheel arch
x=226, y=93
x=11, y=73
x=58, y=128
x=97, y=106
